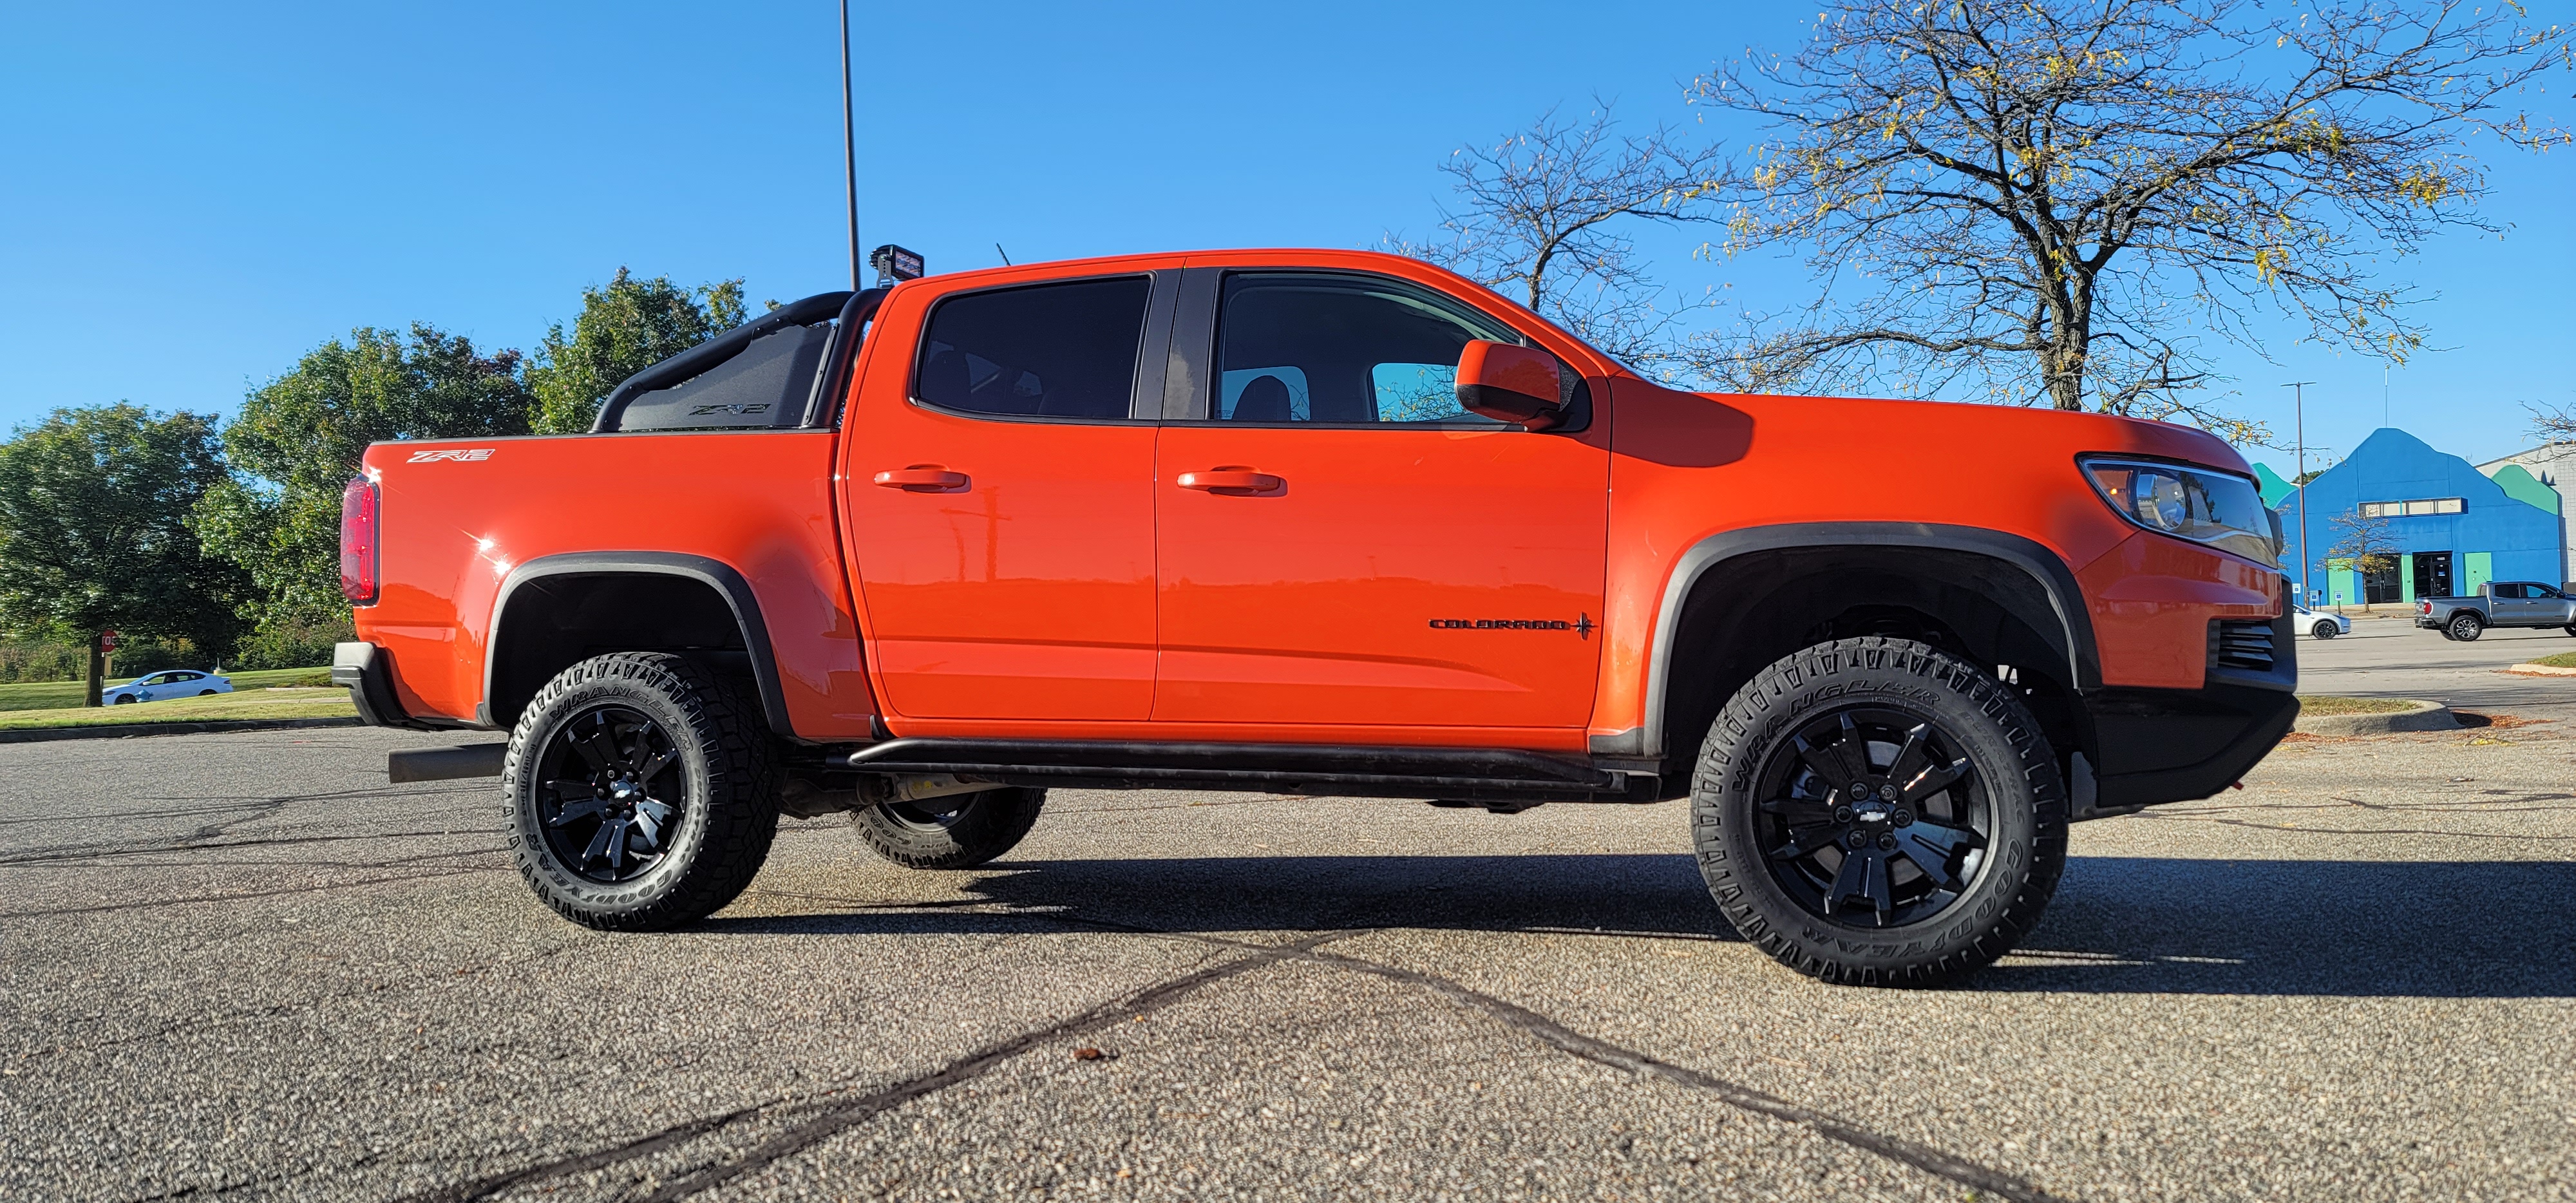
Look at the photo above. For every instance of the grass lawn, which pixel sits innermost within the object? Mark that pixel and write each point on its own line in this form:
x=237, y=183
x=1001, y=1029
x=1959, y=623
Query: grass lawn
x=2561, y=660
x=284, y=701
x=56, y=695
x=2320, y=704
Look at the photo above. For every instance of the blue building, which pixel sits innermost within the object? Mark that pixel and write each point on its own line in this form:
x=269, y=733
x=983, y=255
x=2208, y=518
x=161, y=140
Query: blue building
x=2452, y=529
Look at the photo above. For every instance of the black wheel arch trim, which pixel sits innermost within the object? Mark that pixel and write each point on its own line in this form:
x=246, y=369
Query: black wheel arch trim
x=2071, y=624
x=716, y=574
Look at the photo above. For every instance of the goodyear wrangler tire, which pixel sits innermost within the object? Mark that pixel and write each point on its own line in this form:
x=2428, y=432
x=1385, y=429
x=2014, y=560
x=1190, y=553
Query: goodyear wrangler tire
x=1877, y=812
x=974, y=829
x=639, y=792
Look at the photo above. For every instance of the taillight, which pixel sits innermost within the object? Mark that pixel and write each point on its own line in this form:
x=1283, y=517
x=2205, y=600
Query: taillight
x=2423, y=607
x=360, y=532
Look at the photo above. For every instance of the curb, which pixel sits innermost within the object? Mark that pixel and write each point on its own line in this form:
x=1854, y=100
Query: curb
x=2542, y=670
x=2424, y=716
x=39, y=735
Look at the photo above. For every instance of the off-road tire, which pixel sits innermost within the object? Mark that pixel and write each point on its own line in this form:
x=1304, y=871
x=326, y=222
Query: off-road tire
x=987, y=825
x=2025, y=849
x=2465, y=627
x=728, y=812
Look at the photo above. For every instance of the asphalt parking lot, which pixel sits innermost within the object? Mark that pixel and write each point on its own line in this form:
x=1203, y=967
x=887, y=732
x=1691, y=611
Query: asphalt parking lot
x=243, y=967
x=2388, y=656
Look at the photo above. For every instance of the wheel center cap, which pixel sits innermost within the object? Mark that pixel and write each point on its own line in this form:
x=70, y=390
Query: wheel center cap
x=1871, y=811
x=623, y=787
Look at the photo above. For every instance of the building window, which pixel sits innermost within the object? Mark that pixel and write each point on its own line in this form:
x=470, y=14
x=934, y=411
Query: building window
x=2413, y=509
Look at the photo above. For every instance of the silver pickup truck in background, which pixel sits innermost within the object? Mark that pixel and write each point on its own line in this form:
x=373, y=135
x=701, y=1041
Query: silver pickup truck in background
x=2498, y=604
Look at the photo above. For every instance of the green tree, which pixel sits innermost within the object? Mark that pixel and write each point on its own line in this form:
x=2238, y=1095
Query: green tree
x=299, y=439
x=96, y=533
x=623, y=329
x=2053, y=198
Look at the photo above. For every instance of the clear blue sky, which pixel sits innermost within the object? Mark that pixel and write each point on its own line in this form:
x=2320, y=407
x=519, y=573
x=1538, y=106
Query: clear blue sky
x=191, y=196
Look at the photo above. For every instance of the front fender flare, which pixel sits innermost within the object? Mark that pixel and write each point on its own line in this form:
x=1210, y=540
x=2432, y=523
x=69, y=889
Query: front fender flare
x=2069, y=625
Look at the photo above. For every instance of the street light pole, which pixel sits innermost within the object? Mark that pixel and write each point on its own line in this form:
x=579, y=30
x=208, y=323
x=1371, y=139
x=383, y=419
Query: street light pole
x=849, y=147
x=2299, y=408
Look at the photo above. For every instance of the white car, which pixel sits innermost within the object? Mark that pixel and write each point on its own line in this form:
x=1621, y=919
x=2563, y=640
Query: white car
x=174, y=683
x=2319, y=626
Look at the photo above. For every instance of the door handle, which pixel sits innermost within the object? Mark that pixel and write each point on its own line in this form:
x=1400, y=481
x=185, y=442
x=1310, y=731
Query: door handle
x=922, y=478
x=1232, y=481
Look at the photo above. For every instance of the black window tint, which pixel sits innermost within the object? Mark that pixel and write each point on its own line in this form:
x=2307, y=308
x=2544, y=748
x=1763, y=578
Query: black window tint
x=1051, y=351
x=1328, y=349
x=763, y=388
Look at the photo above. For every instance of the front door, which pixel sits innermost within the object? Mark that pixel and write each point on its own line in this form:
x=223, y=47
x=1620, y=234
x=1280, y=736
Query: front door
x=1001, y=507
x=2432, y=574
x=1342, y=545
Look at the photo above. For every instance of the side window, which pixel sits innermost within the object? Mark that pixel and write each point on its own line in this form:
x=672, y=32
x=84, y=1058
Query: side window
x=2505, y=589
x=1045, y=351
x=1338, y=350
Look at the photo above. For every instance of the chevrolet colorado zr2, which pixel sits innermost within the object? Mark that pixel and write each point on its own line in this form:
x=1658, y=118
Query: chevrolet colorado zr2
x=1322, y=523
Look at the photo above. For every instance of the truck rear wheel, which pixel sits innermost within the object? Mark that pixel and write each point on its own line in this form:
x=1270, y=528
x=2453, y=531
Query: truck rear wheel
x=640, y=794
x=2465, y=627
x=974, y=829
x=1877, y=812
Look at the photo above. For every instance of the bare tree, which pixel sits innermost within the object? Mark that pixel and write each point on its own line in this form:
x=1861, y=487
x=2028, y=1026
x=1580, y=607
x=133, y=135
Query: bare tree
x=2053, y=198
x=1544, y=217
x=2553, y=423
x=2363, y=541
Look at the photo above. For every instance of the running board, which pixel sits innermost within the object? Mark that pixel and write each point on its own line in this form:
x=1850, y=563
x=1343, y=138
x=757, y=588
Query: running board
x=1464, y=773
x=445, y=764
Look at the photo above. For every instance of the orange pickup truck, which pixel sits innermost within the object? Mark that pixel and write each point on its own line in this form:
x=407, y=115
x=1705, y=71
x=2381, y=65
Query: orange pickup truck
x=1324, y=523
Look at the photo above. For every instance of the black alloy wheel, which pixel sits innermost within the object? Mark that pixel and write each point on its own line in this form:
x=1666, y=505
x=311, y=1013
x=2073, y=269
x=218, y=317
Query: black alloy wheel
x=2325, y=630
x=1877, y=811
x=2465, y=627
x=959, y=831
x=641, y=791
x=1871, y=817
x=616, y=801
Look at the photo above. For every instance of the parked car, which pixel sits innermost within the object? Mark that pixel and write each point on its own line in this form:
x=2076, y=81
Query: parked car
x=2319, y=626
x=1314, y=522
x=2498, y=604
x=175, y=683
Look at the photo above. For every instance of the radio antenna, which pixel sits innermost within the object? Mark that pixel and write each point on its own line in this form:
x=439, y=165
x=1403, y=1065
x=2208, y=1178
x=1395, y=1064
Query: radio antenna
x=850, y=147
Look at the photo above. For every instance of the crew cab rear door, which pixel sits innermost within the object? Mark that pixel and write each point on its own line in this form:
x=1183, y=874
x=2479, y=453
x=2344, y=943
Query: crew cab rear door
x=1000, y=494
x=1339, y=543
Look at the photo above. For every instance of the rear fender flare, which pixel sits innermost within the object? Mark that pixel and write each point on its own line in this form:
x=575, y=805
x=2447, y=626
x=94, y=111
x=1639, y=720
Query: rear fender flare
x=716, y=574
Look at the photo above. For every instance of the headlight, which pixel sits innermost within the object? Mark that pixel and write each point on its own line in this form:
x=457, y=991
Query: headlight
x=2191, y=503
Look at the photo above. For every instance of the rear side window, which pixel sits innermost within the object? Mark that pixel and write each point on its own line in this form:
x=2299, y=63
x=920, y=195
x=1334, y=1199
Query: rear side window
x=1047, y=351
x=763, y=388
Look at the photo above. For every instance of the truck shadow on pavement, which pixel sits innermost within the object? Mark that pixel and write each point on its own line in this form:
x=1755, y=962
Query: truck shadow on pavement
x=2477, y=929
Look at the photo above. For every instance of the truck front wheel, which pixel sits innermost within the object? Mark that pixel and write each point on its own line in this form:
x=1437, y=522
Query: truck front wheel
x=960, y=831
x=640, y=792
x=1877, y=812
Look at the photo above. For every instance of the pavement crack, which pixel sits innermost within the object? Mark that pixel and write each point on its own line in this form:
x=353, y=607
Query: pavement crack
x=1601, y=1052
x=194, y=899
x=826, y=1119
x=185, y=844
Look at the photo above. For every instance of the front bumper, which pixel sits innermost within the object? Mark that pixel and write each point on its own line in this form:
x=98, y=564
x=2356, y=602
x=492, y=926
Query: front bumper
x=2176, y=745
